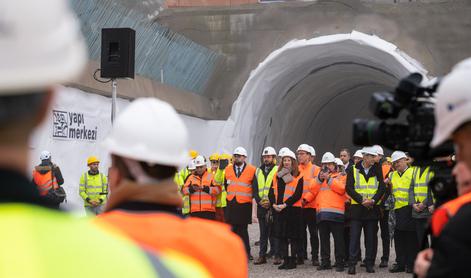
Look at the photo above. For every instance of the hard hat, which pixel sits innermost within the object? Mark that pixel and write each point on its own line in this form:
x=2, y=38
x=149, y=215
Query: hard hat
x=358, y=154
x=269, y=151
x=191, y=165
x=225, y=156
x=379, y=149
x=397, y=155
x=199, y=161
x=282, y=151
x=338, y=161
x=92, y=159
x=240, y=151
x=305, y=148
x=388, y=159
x=193, y=154
x=453, y=103
x=45, y=155
x=214, y=156
x=40, y=45
x=289, y=153
x=328, y=157
x=369, y=150
x=313, y=151
x=149, y=130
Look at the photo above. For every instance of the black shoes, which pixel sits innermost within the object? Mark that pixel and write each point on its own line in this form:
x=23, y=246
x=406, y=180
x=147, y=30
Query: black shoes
x=383, y=264
x=315, y=262
x=370, y=269
x=324, y=267
x=397, y=268
x=260, y=260
x=284, y=265
x=339, y=268
x=352, y=270
x=277, y=261
x=288, y=263
x=299, y=261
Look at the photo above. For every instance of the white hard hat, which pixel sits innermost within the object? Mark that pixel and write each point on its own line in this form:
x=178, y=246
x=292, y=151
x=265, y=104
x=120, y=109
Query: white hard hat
x=453, y=103
x=369, y=150
x=379, y=149
x=397, y=155
x=313, y=151
x=240, y=151
x=305, y=148
x=289, y=153
x=269, y=151
x=191, y=165
x=199, y=161
x=149, y=130
x=358, y=154
x=338, y=161
x=40, y=45
x=328, y=157
x=282, y=151
x=45, y=155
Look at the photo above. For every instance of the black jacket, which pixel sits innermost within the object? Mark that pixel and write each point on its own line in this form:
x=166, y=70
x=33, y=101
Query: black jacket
x=255, y=182
x=358, y=211
x=452, y=249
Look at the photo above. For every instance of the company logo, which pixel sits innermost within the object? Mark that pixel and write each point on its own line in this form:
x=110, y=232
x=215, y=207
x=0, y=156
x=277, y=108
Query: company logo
x=72, y=126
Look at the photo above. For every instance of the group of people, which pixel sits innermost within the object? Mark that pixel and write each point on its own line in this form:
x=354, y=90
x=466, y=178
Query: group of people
x=340, y=197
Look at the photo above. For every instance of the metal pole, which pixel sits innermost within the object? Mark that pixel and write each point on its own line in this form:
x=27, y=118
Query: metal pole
x=114, y=85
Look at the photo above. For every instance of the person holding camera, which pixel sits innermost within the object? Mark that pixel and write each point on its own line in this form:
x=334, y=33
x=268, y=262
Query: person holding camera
x=48, y=178
x=450, y=225
x=328, y=189
x=202, y=191
x=261, y=187
x=285, y=198
x=365, y=186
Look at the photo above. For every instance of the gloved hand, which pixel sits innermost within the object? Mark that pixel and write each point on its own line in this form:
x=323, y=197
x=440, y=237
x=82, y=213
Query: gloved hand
x=206, y=189
x=191, y=189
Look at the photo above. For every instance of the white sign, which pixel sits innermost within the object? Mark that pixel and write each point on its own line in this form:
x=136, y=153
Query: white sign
x=68, y=125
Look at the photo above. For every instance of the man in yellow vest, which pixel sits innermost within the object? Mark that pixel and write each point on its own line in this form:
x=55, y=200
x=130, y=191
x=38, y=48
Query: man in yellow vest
x=405, y=238
x=365, y=186
x=93, y=187
x=37, y=241
x=261, y=187
x=422, y=201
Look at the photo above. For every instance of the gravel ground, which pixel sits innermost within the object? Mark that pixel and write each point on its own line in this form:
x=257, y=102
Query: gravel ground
x=307, y=270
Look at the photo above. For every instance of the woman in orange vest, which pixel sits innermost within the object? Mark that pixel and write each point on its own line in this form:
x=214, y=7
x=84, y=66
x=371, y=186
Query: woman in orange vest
x=202, y=191
x=285, y=197
x=329, y=191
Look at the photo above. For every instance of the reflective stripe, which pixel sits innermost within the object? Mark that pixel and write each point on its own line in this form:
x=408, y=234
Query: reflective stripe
x=240, y=184
x=365, y=188
x=325, y=188
x=420, y=194
x=331, y=210
x=162, y=271
x=202, y=202
x=402, y=189
x=305, y=191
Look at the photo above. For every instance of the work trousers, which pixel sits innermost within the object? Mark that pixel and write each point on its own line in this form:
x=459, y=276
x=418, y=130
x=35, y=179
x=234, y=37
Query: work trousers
x=406, y=246
x=336, y=229
x=265, y=234
x=309, y=222
x=370, y=229
x=284, y=247
x=385, y=238
x=421, y=228
x=242, y=231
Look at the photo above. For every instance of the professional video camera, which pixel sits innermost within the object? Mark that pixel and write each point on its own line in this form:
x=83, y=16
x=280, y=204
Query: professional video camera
x=412, y=134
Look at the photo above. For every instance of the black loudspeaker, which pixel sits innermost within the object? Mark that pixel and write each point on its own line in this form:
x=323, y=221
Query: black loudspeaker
x=117, y=52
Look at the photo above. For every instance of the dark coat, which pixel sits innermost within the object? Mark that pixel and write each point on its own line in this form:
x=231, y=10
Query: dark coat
x=289, y=222
x=358, y=211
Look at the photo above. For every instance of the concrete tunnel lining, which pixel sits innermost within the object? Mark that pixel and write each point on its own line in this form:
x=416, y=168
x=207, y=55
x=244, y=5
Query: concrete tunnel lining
x=308, y=91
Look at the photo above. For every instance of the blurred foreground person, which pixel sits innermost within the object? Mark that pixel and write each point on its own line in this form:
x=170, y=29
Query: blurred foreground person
x=40, y=46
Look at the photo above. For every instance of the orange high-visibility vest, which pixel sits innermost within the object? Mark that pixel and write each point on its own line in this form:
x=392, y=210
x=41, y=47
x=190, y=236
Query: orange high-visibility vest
x=204, y=240
x=45, y=182
x=386, y=169
x=329, y=194
x=240, y=187
x=200, y=200
x=290, y=188
x=445, y=212
x=309, y=172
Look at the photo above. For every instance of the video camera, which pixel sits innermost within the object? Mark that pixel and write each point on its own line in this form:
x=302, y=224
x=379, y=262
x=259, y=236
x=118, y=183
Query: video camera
x=413, y=134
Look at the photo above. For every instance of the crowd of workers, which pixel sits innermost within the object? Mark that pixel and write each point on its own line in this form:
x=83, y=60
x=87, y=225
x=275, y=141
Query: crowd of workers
x=139, y=230
x=293, y=195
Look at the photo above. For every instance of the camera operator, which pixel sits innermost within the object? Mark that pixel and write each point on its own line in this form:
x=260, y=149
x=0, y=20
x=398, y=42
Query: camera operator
x=451, y=251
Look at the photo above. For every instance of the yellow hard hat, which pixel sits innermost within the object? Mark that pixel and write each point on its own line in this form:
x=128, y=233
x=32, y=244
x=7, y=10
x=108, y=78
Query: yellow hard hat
x=214, y=156
x=193, y=154
x=388, y=159
x=225, y=156
x=92, y=159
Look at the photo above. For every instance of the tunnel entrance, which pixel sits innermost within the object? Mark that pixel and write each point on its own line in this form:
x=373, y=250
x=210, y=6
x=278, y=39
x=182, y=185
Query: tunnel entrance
x=309, y=91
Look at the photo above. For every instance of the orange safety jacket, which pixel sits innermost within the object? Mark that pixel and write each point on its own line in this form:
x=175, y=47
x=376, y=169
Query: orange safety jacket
x=329, y=194
x=204, y=240
x=386, y=169
x=44, y=182
x=201, y=200
x=290, y=188
x=240, y=187
x=446, y=211
x=309, y=172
